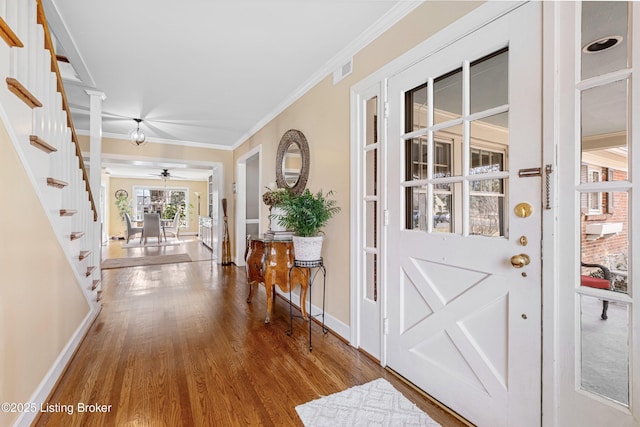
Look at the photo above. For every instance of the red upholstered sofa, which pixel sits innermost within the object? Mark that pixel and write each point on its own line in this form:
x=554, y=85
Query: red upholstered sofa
x=595, y=282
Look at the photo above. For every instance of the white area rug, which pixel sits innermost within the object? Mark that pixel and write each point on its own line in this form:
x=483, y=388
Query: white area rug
x=150, y=243
x=375, y=403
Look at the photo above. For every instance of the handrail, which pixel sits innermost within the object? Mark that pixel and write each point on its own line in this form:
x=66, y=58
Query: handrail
x=48, y=44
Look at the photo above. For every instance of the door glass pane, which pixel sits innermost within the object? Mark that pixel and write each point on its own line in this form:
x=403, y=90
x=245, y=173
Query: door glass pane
x=371, y=221
x=447, y=97
x=605, y=349
x=487, y=208
x=416, y=109
x=445, y=197
x=604, y=129
x=604, y=37
x=416, y=152
x=442, y=156
x=372, y=121
x=371, y=172
x=448, y=160
x=371, y=290
x=416, y=208
x=489, y=81
x=489, y=144
x=605, y=241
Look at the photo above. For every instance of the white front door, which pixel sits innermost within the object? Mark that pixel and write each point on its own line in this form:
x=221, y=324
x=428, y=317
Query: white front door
x=598, y=239
x=464, y=141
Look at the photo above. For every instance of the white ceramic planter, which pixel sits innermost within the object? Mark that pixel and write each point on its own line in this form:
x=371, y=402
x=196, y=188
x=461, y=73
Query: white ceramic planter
x=307, y=248
x=276, y=213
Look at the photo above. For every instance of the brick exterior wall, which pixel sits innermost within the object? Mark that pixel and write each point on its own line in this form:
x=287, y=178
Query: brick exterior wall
x=598, y=251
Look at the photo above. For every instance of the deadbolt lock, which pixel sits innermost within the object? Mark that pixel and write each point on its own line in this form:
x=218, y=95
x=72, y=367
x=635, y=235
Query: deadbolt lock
x=519, y=261
x=523, y=210
x=523, y=240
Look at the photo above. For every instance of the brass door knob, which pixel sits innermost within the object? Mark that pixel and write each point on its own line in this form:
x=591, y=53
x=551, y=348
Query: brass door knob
x=519, y=261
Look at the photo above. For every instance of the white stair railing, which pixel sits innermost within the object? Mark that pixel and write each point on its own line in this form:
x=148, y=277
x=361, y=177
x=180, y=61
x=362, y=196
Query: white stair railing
x=36, y=115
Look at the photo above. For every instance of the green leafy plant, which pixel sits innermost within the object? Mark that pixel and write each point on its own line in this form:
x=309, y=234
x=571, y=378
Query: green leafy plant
x=308, y=213
x=169, y=211
x=124, y=206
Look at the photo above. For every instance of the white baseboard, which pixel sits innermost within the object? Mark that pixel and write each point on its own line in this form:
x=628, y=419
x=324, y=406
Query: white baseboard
x=50, y=379
x=337, y=326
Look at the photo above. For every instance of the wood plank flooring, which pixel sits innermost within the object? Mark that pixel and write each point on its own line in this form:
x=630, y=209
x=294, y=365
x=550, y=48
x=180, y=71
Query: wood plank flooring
x=177, y=345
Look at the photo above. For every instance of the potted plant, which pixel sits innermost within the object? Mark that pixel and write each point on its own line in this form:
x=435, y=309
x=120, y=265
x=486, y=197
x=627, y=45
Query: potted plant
x=274, y=198
x=306, y=215
x=123, y=204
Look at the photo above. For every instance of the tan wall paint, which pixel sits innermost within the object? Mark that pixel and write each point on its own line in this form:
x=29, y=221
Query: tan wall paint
x=41, y=304
x=118, y=227
x=323, y=115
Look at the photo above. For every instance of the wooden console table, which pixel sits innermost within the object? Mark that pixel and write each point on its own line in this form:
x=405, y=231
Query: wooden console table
x=268, y=262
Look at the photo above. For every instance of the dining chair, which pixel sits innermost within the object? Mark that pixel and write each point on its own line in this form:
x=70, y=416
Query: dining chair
x=151, y=227
x=175, y=225
x=131, y=230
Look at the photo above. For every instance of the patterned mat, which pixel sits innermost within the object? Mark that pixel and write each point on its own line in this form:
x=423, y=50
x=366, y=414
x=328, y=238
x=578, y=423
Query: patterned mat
x=374, y=403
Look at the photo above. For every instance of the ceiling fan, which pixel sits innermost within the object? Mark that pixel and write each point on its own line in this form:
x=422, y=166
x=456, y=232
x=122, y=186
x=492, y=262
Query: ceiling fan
x=165, y=174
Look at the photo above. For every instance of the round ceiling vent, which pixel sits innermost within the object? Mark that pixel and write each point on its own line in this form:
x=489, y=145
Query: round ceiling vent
x=602, y=44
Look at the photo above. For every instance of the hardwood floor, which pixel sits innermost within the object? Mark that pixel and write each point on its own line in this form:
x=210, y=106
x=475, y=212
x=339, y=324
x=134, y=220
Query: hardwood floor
x=177, y=345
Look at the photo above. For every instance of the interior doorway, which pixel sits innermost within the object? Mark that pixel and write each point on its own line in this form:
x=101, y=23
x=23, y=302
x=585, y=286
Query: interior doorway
x=248, y=185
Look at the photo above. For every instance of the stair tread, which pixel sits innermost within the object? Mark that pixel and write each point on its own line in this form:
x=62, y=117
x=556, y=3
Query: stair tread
x=68, y=212
x=41, y=144
x=76, y=235
x=84, y=254
x=23, y=93
x=57, y=183
x=95, y=284
x=90, y=270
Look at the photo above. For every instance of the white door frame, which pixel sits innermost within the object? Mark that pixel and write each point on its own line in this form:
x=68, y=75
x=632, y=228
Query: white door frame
x=241, y=201
x=358, y=264
x=562, y=397
x=550, y=254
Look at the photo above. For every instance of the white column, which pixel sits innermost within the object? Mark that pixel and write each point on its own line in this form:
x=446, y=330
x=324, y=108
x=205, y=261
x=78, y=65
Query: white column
x=95, y=161
x=95, y=141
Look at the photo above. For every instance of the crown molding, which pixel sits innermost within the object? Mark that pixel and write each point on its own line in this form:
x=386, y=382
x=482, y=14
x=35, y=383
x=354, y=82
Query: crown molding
x=395, y=14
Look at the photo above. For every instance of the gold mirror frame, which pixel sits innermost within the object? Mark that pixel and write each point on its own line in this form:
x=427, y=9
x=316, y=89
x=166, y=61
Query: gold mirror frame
x=293, y=136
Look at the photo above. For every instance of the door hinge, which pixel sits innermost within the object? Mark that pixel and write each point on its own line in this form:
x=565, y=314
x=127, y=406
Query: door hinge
x=385, y=326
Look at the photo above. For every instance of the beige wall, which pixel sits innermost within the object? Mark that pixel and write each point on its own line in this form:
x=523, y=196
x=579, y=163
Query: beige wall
x=322, y=114
x=118, y=227
x=41, y=304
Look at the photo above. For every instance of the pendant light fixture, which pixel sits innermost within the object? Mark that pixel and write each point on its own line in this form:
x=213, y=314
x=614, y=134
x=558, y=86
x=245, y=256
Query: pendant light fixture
x=137, y=136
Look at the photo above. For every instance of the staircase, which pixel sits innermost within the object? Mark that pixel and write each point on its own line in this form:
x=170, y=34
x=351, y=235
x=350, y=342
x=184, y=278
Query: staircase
x=35, y=112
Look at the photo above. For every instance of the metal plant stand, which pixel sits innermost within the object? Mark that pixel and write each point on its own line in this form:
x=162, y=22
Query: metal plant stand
x=318, y=266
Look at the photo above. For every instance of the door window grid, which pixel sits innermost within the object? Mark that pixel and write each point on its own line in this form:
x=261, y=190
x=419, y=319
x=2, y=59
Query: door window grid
x=604, y=189
x=370, y=199
x=433, y=195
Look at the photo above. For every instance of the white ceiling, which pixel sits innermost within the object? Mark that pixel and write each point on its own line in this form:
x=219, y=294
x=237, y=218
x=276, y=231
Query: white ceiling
x=205, y=71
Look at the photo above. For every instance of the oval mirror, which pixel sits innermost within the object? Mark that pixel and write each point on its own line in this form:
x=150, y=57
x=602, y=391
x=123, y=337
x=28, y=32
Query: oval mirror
x=292, y=161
